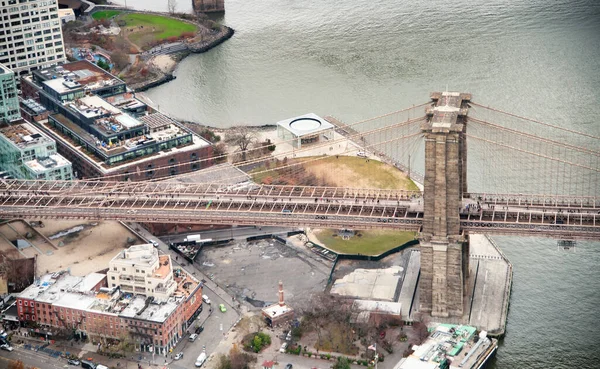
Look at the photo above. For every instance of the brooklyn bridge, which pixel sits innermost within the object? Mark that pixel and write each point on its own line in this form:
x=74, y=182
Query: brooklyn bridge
x=530, y=179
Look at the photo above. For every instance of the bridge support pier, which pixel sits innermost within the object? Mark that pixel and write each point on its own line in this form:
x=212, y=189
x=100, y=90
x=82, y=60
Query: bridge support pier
x=444, y=270
x=444, y=249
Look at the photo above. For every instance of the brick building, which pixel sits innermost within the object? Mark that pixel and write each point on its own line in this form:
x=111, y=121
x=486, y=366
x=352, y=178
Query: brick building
x=101, y=307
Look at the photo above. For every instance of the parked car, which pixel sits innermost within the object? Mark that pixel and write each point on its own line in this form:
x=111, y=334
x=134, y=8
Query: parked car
x=289, y=366
x=193, y=337
x=73, y=362
x=206, y=299
x=6, y=347
x=283, y=347
x=154, y=243
x=362, y=154
x=222, y=308
x=87, y=364
x=199, y=329
x=178, y=356
x=200, y=360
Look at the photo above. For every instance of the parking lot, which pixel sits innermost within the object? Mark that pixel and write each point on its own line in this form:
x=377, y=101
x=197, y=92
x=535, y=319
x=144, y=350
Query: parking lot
x=251, y=271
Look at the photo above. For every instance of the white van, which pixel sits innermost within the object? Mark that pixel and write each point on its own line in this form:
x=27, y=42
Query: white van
x=205, y=299
x=201, y=359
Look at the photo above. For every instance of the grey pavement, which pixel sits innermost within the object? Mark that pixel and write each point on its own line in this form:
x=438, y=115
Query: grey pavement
x=229, y=233
x=409, y=285
x=491, y=281
x=164, y=49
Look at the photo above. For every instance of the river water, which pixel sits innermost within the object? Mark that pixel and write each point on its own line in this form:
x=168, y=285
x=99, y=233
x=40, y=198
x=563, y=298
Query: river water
x=362, y=58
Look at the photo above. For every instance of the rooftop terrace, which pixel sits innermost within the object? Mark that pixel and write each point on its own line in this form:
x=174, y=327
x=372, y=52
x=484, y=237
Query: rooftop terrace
x=76, y=75
x=54, y=161
x=24, y=135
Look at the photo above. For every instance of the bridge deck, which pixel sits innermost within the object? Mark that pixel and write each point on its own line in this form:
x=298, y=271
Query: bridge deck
x=329, y=207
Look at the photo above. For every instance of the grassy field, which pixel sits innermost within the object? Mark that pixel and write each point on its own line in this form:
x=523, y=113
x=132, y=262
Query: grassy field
x=352, y=171
x=342, y=171
x=146, y=28
x=103, y=14
x=372, y=242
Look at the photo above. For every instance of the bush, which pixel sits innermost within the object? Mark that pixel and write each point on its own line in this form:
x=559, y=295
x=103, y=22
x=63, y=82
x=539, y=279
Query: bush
x=260, y=341
x=342, y=363
x=104, y=65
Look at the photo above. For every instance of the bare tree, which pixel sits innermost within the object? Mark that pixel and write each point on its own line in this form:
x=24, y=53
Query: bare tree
x=242, y=138
x=120, y=59
x=172, y=5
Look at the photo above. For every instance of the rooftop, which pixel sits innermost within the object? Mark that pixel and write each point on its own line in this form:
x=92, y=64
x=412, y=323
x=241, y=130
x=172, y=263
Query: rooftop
x=127, y=145
x=142, y=255
x=456, y=345
x=41, y=165
x=63, y=289
x=5, y=70
x=140, y=307
x=32, y=106
x=305, y=124
x=25, y=135
x=157, y=120
x=276, y=310
x=76, y=75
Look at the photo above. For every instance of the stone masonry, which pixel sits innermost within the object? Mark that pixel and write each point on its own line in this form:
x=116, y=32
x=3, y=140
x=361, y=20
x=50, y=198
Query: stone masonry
x=444, y=249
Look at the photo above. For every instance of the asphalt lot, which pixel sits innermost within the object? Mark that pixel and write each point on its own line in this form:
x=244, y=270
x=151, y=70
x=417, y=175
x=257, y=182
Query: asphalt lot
x=251, y=271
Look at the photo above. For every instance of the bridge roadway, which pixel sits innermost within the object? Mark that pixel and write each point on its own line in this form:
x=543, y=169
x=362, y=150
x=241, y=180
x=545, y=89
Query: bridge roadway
x=325, y=207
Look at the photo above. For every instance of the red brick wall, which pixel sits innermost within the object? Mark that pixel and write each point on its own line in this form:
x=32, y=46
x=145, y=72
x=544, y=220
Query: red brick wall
x=192, y=304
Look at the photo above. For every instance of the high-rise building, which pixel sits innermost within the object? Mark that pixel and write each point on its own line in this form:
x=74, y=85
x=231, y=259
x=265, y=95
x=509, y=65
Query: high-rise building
x=9, y=100
x=30, y=34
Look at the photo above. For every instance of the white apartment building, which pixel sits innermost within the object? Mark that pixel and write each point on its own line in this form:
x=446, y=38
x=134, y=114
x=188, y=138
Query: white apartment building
x=140, y=270
x=30, y=35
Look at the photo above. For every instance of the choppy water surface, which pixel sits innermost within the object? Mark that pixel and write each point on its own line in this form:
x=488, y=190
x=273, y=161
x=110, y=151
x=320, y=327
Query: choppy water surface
x=362, y=58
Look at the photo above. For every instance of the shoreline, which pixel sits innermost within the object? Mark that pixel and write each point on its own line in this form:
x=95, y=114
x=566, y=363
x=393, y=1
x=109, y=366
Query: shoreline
x=197, y=48
x=166, y=74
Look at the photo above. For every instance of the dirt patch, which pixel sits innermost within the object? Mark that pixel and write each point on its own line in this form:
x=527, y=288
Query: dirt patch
x=86, y=250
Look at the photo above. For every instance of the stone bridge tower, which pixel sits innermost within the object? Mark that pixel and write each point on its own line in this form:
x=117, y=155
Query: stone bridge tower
x=208, y=6
x=444, y=250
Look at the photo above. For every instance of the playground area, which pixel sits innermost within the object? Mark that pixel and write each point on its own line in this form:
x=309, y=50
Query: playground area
x=96, y=57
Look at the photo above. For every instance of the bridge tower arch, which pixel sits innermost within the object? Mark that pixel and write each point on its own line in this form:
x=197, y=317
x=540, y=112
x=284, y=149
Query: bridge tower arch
x=444, y=248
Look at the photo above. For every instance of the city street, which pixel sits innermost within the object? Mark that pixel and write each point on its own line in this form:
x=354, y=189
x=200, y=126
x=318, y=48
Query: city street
x=216, y=324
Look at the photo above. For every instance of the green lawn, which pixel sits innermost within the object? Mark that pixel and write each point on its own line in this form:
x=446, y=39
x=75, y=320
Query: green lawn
x=102, y=14
x=149, y=27
x=372, y=242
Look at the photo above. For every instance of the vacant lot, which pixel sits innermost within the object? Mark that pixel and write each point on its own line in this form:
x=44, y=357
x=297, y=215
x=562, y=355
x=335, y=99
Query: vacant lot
x=145, y=29
x=104, y=14
x=372, y=242
x=83, y=246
